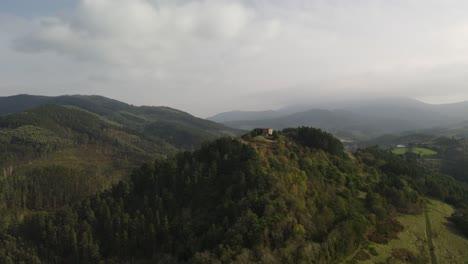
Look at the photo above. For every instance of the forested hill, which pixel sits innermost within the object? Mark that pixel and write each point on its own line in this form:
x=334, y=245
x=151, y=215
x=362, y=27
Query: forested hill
x=294, y=198
x=58, y=149
x=176, y=127
x=80, y=121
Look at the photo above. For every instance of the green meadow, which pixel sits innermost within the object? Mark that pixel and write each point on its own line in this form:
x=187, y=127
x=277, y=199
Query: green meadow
x=419, y=151
x=448, y=246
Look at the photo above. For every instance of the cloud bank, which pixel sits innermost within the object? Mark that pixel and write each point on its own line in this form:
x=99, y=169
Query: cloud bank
x=208, y=56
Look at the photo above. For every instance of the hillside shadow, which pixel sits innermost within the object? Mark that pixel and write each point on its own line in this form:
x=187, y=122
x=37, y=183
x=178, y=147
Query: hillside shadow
x=451, y=227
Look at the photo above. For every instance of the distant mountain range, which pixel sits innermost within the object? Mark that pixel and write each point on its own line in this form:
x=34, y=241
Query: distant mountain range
x=353, y=119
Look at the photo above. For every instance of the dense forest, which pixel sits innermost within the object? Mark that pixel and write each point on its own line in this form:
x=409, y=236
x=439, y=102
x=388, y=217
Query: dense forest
x=57, y=150
x=71, y=191
x=286, y=200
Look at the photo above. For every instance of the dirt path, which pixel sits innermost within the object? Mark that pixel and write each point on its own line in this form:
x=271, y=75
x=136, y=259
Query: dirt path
x=430, y=244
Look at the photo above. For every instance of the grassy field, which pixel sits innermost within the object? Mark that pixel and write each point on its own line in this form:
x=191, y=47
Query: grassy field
x=420, y=151
x=449, y=246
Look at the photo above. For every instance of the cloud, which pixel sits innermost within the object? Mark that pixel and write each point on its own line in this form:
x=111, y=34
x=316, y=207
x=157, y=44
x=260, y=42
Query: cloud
x=127, y=32
x=209, y=55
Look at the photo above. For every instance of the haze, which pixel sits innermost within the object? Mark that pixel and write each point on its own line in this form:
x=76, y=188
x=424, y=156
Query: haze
x=212, y=56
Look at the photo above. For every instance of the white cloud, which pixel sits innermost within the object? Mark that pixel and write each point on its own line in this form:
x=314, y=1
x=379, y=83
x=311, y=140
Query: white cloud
x=179, y=53
x=128, y=31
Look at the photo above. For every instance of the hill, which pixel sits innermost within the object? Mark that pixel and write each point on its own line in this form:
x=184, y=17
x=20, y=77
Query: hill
x=18, y=103
x=289, y=200
x=71, y=147
x=339, y=122
x=244, y=115
x=458, y=130
x=176, y=127
x=154, y=121
x=359, y=120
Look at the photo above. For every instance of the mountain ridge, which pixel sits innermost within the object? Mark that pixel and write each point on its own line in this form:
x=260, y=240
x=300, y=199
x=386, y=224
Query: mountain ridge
x=359, y=120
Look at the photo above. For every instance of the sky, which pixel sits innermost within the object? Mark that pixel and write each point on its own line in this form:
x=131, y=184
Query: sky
x=210, y=56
